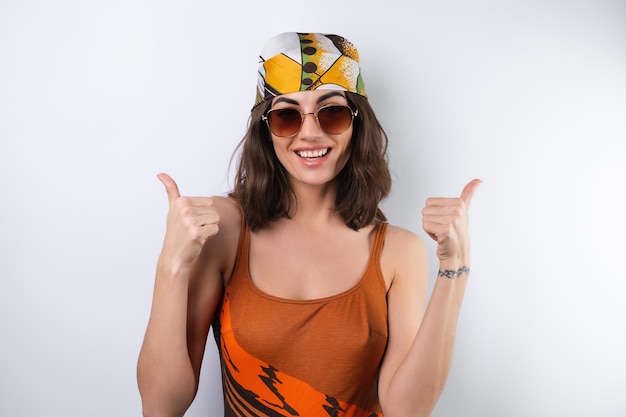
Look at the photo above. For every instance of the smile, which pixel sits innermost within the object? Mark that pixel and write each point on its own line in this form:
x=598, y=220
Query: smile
x=318, y=153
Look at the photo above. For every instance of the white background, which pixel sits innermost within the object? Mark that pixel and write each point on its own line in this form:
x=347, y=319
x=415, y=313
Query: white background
x=97, y=97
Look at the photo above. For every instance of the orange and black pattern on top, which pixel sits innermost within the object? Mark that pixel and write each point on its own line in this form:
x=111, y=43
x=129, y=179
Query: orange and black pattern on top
x=253, y=388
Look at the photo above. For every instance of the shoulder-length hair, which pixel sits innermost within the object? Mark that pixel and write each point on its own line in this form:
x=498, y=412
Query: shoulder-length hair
x=262, y=187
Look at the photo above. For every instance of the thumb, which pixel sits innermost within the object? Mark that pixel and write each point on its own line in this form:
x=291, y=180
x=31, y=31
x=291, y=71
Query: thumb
x=468, y=191
x=170, y=187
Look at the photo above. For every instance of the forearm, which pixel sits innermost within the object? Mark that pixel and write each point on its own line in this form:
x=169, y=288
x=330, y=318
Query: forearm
x=165, y=375
x=418, y=382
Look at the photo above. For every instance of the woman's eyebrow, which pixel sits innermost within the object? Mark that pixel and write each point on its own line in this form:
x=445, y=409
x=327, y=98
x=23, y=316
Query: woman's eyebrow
x=326, y=96
x=286, y=100
x=329, y=95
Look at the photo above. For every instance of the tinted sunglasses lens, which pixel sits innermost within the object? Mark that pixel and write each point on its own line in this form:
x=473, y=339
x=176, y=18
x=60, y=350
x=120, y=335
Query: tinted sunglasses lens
x=335, y=119
x=284, y=122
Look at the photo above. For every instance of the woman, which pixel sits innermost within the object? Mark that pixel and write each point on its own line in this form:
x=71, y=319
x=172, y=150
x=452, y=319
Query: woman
x=318, y=305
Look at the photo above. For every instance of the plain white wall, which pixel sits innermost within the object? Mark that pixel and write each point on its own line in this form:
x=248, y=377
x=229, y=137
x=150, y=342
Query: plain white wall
x=97, y=97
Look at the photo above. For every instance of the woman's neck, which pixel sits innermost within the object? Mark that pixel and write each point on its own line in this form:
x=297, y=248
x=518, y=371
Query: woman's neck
x=314, y=204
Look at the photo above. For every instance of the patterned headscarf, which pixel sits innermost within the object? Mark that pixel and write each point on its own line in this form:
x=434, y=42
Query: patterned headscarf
x=293, y=62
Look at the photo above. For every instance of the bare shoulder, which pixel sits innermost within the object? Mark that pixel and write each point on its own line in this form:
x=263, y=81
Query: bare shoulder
x=228, y=210
x=222, y=248
x=401, y=242
x=403, y=255
x=402, y=236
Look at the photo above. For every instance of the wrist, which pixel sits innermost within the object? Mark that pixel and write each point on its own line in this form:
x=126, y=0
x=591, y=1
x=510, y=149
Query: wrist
x=454, y=273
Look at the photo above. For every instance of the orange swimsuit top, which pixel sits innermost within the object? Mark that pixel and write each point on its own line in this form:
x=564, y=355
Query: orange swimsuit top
x=308, y=358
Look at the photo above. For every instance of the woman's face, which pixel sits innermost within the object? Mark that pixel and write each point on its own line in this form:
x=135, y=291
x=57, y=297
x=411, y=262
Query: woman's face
x=312, y=156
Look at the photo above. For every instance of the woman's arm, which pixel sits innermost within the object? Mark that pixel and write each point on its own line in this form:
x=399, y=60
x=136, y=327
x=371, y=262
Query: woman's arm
x=188, y=287
x=417, y=361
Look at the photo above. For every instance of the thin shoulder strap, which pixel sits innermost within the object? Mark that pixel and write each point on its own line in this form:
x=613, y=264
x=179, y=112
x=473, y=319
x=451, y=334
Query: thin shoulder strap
x=374, y=269
x=241, y=259
x=379, y=239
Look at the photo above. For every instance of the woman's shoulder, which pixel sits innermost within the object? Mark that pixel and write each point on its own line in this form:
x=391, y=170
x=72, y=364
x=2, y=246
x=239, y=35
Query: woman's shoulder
x=404, y=253
x=223, y=246
x=400, y=237
x=230, y=216
x=227, y=207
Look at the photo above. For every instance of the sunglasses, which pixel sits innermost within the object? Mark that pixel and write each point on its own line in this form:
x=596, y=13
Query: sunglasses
x=333, y=120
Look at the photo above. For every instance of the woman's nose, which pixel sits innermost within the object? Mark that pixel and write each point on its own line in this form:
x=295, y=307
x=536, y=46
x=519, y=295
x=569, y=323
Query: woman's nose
x=310, y=126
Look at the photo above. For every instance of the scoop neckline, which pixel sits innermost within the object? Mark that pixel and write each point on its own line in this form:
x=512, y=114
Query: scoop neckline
x=342, y=294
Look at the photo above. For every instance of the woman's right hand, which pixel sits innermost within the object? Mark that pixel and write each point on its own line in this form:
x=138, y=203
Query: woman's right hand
x=191, y=221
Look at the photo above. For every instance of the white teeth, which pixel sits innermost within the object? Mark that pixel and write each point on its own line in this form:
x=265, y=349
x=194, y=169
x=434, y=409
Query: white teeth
x=313, y=154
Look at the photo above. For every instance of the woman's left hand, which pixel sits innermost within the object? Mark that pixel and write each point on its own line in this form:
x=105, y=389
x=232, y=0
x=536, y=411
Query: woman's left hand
x=446, y=221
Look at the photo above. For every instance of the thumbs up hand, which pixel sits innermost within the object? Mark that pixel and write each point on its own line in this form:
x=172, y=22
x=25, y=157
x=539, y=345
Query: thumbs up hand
x=191, y=221
x=446, y=222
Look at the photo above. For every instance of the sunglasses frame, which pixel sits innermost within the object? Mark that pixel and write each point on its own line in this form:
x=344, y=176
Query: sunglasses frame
x=353, y=114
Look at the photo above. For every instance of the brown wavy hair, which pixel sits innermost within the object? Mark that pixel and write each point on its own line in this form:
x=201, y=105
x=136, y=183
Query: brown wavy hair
x=262, y=186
